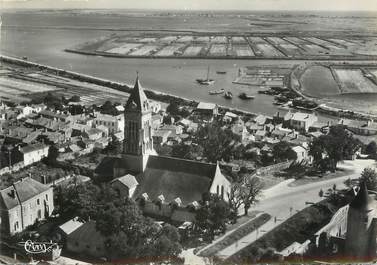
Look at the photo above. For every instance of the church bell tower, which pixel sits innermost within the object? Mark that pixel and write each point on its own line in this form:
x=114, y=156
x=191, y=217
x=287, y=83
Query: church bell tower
x=138, y=141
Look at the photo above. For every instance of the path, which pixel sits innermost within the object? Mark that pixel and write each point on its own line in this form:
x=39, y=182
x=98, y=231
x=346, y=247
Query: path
x=282, y=201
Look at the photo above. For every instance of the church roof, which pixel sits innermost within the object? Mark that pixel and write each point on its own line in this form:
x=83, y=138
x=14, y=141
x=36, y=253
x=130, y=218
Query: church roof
x=173, y=177
x=137, y=100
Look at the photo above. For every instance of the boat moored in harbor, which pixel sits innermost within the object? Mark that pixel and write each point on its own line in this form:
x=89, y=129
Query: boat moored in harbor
x=217, y=92
x=228, y=95
x=245, y=96
x=206, y=81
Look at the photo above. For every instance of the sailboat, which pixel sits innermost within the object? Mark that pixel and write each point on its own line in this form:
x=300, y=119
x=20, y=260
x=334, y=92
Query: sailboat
x=206, y=81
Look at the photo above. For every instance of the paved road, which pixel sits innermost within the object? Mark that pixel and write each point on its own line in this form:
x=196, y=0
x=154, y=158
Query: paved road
x=282, y=201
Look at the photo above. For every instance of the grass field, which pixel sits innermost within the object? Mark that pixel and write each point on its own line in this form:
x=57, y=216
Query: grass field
x=354, y=81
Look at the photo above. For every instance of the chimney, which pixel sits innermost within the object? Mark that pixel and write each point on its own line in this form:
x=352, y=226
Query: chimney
x=43, y=179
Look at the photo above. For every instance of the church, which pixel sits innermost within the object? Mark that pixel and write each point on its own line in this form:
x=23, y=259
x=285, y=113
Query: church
x=145, y=174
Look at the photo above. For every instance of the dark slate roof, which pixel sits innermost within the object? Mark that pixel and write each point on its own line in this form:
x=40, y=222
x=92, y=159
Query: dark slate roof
x=174, y=178
x=105, y=168
x=137, y=100
x=28, y=188
x=87, y=233
x=361, y=199
x=32, y=148
x=24, y=190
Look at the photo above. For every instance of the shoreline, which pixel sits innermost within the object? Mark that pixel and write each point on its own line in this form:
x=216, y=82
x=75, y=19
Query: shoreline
x=123, y=87
x=225, y=57
x=165, y=97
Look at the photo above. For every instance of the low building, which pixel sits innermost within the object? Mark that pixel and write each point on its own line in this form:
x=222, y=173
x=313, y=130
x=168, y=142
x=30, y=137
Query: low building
x=301, y=152
x=207, y=109
x=32, y=153
x=87, y=240
x=125, y=185
x=230, y=117
x=93, y=134
x=302, y=121
x=360, y=127
x=24, y=203
x=114, y=123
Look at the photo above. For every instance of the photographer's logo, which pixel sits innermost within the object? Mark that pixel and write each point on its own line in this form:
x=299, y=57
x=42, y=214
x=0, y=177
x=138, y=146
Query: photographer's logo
x=38, y=247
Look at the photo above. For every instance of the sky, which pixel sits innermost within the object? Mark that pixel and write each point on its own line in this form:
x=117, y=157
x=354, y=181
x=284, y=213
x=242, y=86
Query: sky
x=330, y=5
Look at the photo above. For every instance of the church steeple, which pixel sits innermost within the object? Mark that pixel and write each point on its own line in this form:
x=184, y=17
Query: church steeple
x=138, y=141
x=137, y=101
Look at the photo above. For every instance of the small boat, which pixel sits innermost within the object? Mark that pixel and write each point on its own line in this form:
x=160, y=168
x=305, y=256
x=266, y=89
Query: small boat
x=228, y=95
x=217, y=92
x=245, y=96
x=221, y=72
x=206, y=81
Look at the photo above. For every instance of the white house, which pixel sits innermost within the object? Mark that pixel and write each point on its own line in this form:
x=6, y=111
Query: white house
x=302, y=121
x=114, y=123
x=33, y=153
x=24, y=203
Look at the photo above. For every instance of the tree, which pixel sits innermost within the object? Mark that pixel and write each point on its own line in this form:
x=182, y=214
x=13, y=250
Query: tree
x=328, y=150
x=283, y=150
x=216, y=142
x=52, y=156
x=369, y=176
x=114, y=146
x=128, y=233
x=246, y=193
x=371, y=148
x=212, y=215
x=75, y=98
x=185, y=151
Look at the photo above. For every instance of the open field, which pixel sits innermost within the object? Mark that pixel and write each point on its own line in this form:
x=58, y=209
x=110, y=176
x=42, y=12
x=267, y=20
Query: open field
x=218, y=50
x=242, y=50
x=221, y=46
x=145, y=50
x=354, y=81
x=170, y=50
x=24, y=86
x=124, y=49
x=192, y=50
x=268, y=50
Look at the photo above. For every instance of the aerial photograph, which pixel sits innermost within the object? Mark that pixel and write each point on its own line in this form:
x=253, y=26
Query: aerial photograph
x=188, y=132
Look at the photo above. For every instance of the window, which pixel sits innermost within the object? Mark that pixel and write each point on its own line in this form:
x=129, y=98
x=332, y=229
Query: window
x=46, y=197
x=222, y=192
x=39, y=214
x=217, y=190
x=38, y=202
x=16, y=226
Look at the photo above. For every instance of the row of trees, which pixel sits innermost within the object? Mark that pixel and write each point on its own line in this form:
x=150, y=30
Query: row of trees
x=127, y=232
